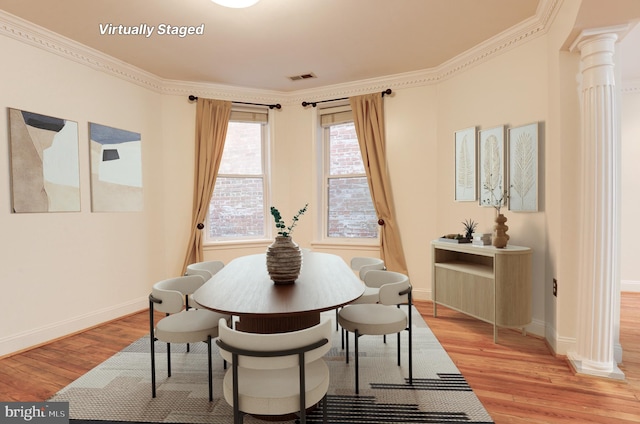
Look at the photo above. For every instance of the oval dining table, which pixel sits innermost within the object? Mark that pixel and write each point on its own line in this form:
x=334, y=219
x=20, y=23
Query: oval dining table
x=243, y=289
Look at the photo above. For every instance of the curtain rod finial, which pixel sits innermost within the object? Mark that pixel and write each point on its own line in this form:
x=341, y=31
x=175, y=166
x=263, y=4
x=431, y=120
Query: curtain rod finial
x=192, y=98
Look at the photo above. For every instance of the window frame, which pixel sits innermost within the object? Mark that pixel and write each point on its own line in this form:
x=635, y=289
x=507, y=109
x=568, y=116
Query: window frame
x=325, y=177
x=265, y=144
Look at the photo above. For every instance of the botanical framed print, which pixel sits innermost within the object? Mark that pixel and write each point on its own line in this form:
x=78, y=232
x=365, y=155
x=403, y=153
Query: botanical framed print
x=465, y=169
x=45, y=174
x=116, y=169
x=523, y=168
x=492, y=168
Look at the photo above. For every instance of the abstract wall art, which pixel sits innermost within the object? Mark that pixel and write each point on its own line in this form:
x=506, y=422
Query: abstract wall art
x=45, y=174
x=116, y=169
x=465, y=169
x=492, y=179
x=523, y=168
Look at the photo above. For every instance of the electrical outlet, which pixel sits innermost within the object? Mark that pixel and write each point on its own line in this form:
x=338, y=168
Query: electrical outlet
x=555, y=287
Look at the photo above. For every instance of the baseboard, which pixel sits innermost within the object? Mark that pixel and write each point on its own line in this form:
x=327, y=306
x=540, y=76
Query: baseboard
x=421, y=294
x=536, y=327
x=559, y=345
x=630, y=286
x=29, y=339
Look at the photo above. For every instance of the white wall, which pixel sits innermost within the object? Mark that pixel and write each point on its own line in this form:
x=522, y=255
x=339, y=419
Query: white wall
x=62, y=272
x=509, y=90
x=630, y=187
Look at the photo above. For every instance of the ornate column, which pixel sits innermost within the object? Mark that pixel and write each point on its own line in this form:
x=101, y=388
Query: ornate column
x=599, y=221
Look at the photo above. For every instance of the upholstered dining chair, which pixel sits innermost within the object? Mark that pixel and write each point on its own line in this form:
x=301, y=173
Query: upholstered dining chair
x=361, y=265
x=275, y=374
x=385, y=317
x=206, y=269
x=180, y=325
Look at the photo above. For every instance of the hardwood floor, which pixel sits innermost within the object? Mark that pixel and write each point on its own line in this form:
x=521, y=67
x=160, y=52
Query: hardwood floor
x=517, y=380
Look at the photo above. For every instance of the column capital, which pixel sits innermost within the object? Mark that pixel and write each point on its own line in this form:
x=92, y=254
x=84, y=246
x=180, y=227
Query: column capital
x=618, y=31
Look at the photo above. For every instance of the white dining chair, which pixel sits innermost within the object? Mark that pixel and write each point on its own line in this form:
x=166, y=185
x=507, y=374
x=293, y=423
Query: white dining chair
x=385, y=317
x=206, y=269
x=180, y=325
x=275, y=374
x=361, y=265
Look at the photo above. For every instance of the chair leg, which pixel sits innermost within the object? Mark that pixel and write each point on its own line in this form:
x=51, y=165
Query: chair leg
x=356, y=337
x=346, y=345
x=168, y=359
x=398, y=348
x=152, y=337
x=153, y=367
x=324, y=409
x=210, y=360
x=237, y=415
x=410, y=354
x=409, y=311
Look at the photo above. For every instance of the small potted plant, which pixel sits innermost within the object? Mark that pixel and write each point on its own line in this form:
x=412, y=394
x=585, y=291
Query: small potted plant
x=469, y=228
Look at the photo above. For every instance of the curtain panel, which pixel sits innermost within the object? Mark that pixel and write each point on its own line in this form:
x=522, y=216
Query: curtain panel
x=212, y=120
x=369, y=122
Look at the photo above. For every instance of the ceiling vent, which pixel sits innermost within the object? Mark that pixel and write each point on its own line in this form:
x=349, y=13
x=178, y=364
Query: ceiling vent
x=303, y=77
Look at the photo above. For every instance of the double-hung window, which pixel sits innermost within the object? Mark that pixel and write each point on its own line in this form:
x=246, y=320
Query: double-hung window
x=238, y=206
x=348, y=208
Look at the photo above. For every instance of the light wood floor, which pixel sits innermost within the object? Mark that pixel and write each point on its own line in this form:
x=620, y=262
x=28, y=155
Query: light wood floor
x=517, y=380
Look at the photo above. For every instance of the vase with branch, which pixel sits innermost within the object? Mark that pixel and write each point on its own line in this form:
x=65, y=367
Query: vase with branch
x=500, y=236
x=284, y=257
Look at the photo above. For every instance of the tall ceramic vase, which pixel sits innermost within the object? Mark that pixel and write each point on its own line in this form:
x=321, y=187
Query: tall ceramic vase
x=500, y=236
x=284, y=260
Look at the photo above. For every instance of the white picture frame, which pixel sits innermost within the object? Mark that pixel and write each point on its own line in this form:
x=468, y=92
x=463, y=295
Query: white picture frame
x=523, y=168
x=465, y=145
x=491, y=154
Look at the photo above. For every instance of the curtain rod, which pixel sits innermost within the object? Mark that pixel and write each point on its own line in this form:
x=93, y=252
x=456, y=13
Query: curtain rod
x=276, y=106
x=314, y=104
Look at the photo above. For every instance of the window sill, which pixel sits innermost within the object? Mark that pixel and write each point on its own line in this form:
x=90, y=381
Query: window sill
x=236, y=244
x=373, y=245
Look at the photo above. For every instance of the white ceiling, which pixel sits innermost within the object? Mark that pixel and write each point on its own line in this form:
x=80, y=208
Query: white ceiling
x=339, y=41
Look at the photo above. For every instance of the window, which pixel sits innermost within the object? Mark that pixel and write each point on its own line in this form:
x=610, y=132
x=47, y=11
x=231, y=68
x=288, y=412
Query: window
x=237, y=210
x=349, y=211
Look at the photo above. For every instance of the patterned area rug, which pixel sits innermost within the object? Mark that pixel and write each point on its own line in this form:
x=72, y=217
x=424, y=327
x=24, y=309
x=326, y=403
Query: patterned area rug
x=119, y=389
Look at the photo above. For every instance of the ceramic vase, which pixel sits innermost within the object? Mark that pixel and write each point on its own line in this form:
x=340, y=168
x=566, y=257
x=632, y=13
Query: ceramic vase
x=284, y=260
x=500, y=236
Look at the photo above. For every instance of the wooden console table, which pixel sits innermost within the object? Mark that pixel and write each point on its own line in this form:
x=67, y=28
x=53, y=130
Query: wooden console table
x=490, y=284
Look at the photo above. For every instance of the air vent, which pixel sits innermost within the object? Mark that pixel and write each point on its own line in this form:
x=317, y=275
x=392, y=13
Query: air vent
x=302, y=77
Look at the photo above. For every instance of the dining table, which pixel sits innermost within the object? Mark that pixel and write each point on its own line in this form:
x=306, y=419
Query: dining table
x=243, y=289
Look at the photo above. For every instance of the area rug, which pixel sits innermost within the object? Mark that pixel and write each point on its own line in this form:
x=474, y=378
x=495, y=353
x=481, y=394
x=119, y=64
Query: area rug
x=119, y=389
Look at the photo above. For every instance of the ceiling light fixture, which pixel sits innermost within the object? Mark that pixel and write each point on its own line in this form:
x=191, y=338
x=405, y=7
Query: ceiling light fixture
x=236, y=4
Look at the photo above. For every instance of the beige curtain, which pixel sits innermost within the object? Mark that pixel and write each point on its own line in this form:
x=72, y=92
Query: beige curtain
x=368, y=116
x=212, y=120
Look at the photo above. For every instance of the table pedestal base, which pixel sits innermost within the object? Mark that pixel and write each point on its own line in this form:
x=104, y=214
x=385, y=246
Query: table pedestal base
x=277, y=324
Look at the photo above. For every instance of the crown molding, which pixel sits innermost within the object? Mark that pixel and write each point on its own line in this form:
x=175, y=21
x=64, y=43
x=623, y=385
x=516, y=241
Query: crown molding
x=507, y=40
x=34, y=35
x=630, y=87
